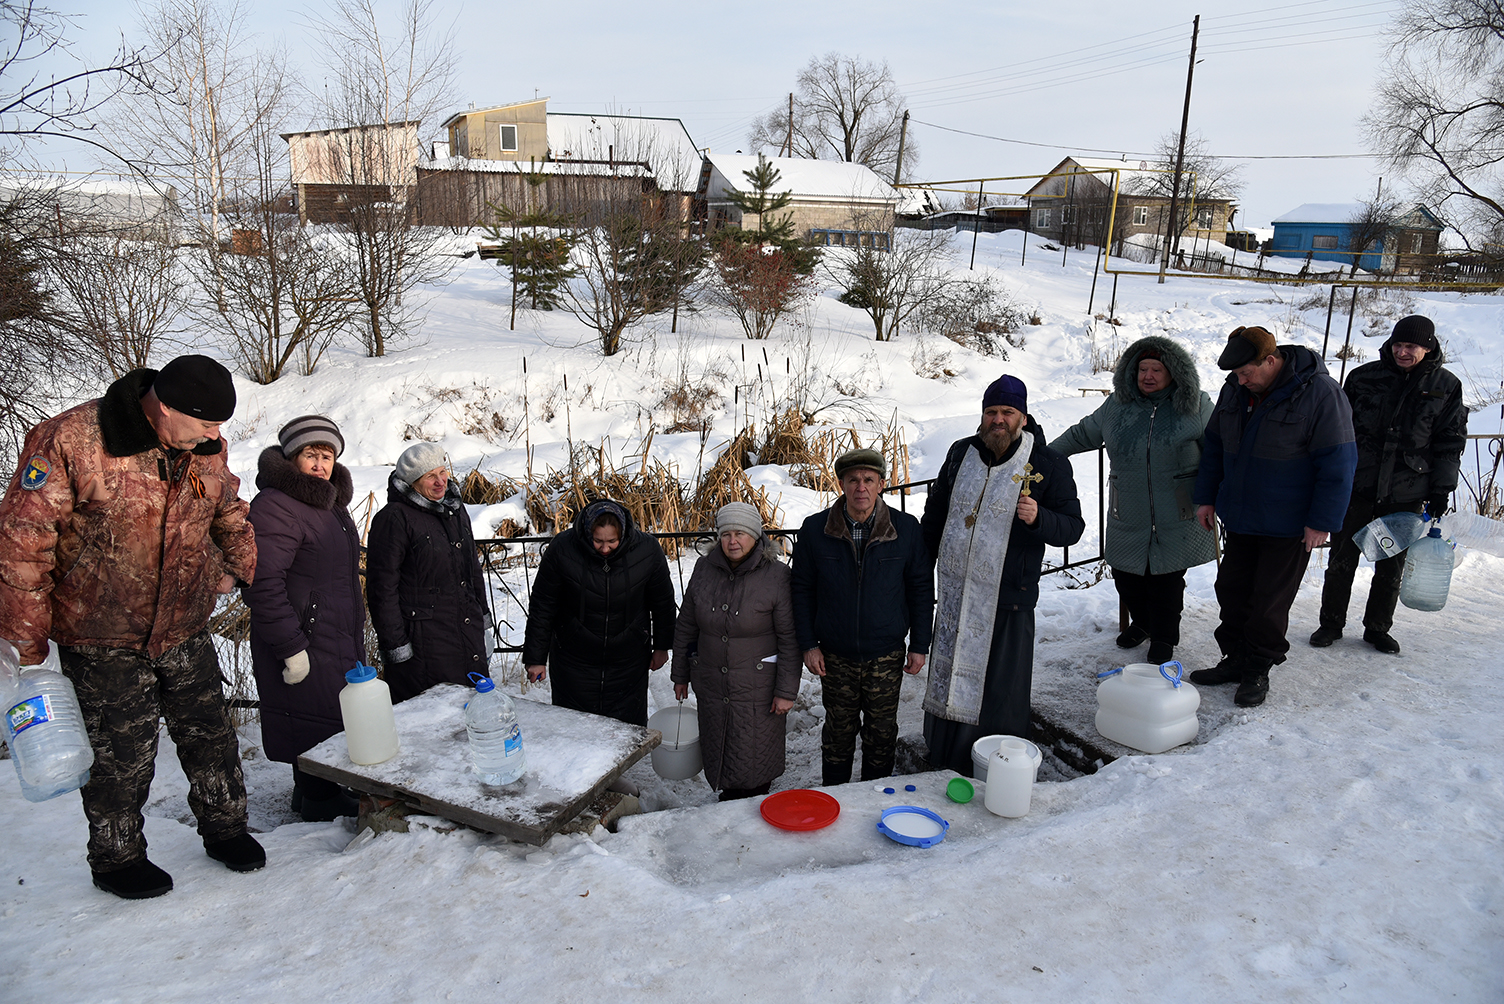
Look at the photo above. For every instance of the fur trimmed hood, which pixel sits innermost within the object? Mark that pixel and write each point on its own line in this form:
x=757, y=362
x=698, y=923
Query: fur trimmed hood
x=1185, y=394
x=273, y=470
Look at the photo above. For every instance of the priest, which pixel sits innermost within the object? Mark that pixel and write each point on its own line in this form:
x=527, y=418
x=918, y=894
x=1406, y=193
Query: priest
x=1000, y=497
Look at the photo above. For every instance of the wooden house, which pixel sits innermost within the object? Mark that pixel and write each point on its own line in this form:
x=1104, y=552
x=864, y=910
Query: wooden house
x=1327, y=231
x=833, y=202
x=1074, y=201
x=333, y=169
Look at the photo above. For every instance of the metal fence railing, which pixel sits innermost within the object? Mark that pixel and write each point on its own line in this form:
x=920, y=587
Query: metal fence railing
x=508, y=562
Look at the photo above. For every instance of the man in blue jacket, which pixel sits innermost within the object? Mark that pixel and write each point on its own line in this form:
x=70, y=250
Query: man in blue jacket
x=1277, y=470
x=861, y=584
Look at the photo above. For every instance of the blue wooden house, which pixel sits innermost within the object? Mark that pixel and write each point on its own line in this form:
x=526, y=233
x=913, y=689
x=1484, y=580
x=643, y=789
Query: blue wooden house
x=1324, y=231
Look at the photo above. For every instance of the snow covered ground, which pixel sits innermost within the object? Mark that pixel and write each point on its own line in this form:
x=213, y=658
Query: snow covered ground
x=1339, y=843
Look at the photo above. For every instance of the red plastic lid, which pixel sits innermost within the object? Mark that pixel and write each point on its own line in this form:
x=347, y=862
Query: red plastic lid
x=800, y=809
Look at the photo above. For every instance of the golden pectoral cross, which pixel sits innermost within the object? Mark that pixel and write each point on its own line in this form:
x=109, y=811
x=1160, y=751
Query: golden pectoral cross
x=1027, y=477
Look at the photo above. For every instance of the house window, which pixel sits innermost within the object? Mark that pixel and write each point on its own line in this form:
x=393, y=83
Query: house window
x=1068, y=216
x=1141, y=216
x=1204, y=219
x=508, y=139
x=1041, y=219
x=1324, y=242
x=1416, y=242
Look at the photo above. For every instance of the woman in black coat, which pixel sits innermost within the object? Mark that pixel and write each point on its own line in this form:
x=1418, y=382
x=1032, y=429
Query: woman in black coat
x=601, y=615
x=307, y=617
x=423, y=579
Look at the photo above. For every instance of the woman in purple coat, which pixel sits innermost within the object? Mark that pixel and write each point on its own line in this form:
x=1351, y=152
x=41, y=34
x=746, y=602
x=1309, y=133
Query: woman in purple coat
x=307, y=614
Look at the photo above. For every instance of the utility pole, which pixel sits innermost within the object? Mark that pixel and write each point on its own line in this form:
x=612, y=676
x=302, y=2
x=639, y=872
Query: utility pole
x=1171, y=232
x=788, y=144
x=903, y=133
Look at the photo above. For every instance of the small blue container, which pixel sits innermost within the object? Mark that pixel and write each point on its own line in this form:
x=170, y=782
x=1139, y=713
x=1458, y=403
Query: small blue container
x=912, y=825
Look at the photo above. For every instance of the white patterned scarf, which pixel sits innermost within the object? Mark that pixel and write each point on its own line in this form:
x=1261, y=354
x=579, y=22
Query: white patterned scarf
x=973, y=548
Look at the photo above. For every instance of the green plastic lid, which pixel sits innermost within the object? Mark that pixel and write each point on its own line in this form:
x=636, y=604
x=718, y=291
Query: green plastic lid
x=960, y=790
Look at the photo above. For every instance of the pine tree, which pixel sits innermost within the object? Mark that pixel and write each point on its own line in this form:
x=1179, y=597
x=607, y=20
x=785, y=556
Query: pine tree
x=536, y=245
x=774, y=229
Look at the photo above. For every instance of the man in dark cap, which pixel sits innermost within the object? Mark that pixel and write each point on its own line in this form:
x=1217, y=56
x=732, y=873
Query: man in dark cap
x=1411, y=427
x=1000, y=497
x=861, y=585
x=1276, y=469
x=124, y=526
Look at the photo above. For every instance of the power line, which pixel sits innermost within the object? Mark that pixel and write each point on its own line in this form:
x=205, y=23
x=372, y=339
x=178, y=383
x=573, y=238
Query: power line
x=1145, y=156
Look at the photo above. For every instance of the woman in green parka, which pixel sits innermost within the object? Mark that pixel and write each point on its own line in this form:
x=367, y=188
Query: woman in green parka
x=1152, y=425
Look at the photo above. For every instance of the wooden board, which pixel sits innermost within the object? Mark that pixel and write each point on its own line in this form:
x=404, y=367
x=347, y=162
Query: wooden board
x=571, y=758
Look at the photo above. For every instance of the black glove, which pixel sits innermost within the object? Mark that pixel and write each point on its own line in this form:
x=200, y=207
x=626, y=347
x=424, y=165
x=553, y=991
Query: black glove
x=1438, y=505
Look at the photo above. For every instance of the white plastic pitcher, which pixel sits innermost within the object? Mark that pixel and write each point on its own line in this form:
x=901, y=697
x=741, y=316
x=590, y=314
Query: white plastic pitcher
x=678, y=756
x=1146, y=707
x=365, y=705
x=1010, y=778
x=983, y=748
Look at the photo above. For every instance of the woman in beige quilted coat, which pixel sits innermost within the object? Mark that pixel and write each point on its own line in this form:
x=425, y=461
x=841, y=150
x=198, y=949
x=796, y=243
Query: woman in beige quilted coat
x=734, y=643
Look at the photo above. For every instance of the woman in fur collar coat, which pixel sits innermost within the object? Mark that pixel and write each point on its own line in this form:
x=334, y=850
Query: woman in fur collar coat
x=1153, y=425
x=307, y=615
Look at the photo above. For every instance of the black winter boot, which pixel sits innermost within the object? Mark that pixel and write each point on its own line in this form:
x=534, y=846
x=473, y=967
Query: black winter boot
x=1255, y=685
x=239, y=854
x=1323, y=636
x=324, y=810
x=142, y=880
x=1382, y=641
x=1160, y=652
x=1229, y=670
x=1133, y=637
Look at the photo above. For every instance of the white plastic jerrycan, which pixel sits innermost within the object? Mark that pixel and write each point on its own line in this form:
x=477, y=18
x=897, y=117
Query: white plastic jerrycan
x=1145, y=707
x=1010, y=778
x=365, y=704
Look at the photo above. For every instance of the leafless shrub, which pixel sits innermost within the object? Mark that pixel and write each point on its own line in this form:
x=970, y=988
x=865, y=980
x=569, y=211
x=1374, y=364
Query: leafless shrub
x=977, y=313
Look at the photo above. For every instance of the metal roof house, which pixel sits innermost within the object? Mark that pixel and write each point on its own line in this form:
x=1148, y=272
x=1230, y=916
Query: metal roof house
x=1326, y=231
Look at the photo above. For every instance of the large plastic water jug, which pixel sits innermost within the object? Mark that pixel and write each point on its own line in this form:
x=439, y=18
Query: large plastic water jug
x=983, y=748
x=1428, y=572
x=1010, y=779
x=1146, y=707
x=365, y=704
x=495, y=737
x=43, y=726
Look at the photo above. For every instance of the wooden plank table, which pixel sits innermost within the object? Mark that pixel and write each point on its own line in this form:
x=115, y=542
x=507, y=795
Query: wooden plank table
x=571, y=758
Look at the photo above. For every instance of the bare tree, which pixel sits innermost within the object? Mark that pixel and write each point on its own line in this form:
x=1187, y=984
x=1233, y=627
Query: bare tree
x=280, y=292
x=1372, y=227
x=1439, y=117
x=759, y=283
x=211, y=96
x=33, y=106
x=389, y=79
x=844, y=108
x=891, y=283
x=120, y=296
x=1203, y=176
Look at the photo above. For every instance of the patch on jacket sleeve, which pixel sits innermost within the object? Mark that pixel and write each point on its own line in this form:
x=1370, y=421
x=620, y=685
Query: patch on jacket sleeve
x=35, y=474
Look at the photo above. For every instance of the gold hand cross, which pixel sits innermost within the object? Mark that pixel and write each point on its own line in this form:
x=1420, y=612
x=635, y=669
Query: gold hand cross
x=1026, y=477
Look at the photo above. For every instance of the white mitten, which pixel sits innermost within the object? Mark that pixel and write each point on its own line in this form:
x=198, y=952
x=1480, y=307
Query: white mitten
x=296, y=667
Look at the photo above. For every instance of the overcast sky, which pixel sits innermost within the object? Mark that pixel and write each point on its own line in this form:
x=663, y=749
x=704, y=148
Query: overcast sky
x=1291, y=80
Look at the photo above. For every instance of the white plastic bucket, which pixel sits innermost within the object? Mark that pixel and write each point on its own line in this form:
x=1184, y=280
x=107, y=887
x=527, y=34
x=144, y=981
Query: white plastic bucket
x=678, y=756
x=983, y=748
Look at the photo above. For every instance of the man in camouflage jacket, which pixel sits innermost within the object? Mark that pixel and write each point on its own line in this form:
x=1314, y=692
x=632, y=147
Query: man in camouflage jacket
x=123, y=525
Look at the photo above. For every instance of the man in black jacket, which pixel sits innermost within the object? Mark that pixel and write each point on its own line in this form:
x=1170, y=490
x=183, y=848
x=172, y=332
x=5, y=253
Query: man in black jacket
x=1411, y=428
x=860, y=584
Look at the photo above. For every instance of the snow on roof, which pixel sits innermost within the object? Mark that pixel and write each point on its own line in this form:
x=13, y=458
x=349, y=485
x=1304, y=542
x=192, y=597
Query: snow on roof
x=663, y=143
x=1322, y=212
x=807, y=179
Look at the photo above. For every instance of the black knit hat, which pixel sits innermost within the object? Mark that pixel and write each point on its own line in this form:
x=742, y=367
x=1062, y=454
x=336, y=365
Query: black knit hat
x=1416, y=330
x=197, y=386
